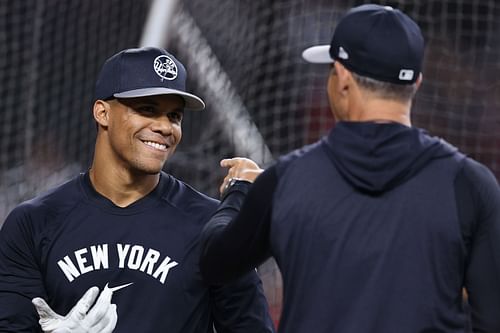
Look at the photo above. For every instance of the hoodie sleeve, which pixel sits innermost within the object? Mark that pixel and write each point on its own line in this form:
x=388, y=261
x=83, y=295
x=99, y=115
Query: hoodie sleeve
x=240, y=306
x=233, y=241
x=478, y=202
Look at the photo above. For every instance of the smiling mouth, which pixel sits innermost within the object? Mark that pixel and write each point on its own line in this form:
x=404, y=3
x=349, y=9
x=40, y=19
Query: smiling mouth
x=156, y=145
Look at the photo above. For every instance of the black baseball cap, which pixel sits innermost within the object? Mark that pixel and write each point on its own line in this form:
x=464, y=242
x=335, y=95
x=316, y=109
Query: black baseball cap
x=375, y=41
x=146, y=71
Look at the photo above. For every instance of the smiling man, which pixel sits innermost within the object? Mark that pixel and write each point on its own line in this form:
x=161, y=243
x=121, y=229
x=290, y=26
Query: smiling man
x=124, y=227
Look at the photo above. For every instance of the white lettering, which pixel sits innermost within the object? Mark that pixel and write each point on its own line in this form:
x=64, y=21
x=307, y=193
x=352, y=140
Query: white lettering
x=150, y=260
x=81, y=261
x=100, y=256
x=163, y=269
x=135, y=257
x=68, y=268
x=122, y=253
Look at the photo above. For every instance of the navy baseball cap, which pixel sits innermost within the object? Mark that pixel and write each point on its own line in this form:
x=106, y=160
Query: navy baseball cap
x=146, y=71
x=375, y=41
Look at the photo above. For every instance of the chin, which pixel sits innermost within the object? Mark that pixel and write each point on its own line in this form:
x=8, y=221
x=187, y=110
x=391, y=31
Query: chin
x=152, y=172
x=149, y=169
x=148, y=166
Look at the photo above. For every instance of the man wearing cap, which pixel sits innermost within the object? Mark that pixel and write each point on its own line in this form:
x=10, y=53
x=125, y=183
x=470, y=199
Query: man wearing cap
x=124, y=227
x=378, y=226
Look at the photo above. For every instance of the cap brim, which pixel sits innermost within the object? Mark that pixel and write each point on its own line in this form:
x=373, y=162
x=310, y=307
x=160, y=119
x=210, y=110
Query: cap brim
x=193, y=102
x=319, y=54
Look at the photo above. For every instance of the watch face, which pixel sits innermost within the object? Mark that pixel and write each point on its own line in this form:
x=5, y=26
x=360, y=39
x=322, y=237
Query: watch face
x=230, y=183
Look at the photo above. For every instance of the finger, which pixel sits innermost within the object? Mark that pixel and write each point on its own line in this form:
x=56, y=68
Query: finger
x=107, y=322
x=229, y=162
x=100, y=308
x=239, y=165
x=47, y=316
x=83, y=305
x=43, y=309
x=105, y=297
x=61, y=330
x=113, y=320
x=224, y=163
x=245, y=171
x=222, y=187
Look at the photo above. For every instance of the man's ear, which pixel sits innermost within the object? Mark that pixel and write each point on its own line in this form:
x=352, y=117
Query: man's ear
x=419, y=80
x=344, y=78
x=101, y=112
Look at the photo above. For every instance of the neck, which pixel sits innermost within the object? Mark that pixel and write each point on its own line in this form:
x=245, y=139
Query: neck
x=120, y=185
x=380, y=110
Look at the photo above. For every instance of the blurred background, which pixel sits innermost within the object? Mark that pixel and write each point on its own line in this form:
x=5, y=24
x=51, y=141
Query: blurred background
x=243, y=58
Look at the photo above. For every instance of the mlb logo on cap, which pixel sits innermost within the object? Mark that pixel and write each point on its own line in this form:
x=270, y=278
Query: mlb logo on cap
x=406, y=75
x=375, y=41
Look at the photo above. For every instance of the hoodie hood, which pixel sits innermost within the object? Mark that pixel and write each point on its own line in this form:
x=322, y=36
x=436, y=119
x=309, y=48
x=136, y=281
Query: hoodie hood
x=376, y=157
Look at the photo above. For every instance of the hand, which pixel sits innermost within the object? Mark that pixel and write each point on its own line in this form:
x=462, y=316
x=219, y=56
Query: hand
x=239, y=168
x=101, y=318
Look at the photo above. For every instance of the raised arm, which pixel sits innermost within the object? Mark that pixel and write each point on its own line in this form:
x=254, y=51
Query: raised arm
x=233, y=241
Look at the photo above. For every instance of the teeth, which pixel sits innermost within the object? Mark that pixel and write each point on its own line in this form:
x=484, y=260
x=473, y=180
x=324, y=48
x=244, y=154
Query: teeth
x=155, y=145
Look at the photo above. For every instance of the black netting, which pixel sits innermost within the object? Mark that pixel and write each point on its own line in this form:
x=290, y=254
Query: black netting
x=243, y=58
x=50, y=55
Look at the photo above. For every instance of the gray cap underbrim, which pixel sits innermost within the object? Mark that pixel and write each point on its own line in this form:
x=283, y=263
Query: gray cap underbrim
x=319, y=54
x=192, y=102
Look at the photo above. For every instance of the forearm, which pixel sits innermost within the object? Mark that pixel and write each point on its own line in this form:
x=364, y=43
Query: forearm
x=222, y=244
x=241, y=306
x=234, y=241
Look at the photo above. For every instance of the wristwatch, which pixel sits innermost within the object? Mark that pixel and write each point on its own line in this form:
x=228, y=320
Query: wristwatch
x=230, y=184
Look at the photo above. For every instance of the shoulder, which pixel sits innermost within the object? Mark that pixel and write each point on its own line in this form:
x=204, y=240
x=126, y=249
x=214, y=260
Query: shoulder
x=295, y=156
x=35, y=219
x=46, y=205
x=478, y=178
x=476, y=175
x=184, y=197
x=477, y=191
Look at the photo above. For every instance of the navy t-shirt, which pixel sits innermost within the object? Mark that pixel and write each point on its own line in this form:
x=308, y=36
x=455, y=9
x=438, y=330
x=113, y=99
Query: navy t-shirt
x=58, y=245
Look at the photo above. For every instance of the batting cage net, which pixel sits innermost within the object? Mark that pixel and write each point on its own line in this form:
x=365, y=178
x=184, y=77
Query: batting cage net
x=244, y=59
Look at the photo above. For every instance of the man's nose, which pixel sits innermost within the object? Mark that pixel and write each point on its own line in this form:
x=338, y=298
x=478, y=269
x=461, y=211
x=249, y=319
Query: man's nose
x=163, y=125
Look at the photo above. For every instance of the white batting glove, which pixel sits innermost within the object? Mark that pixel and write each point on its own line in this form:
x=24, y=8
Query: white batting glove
x=101, y=318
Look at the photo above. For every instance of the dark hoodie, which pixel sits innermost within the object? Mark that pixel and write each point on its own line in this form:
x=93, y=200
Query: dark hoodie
x=376, y=157
x=376, y=229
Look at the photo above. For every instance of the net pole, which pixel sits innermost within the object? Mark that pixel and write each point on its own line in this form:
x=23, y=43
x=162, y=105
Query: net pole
x=230, y=111
x=219, y=92
x=155, y=32
x=33, y=77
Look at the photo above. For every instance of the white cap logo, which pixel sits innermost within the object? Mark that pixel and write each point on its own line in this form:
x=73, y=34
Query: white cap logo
x=343, y=54
x=165, y=67
x=406, y=74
